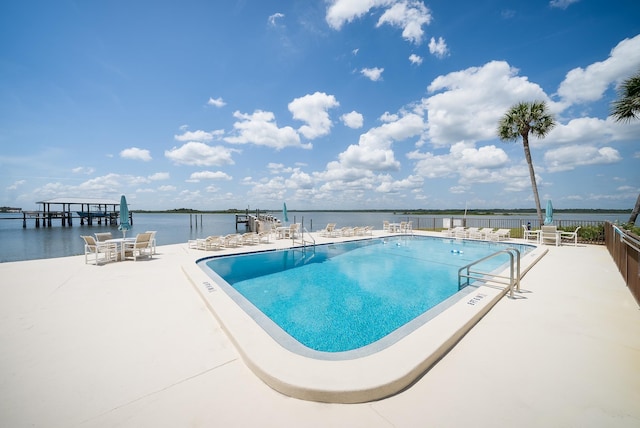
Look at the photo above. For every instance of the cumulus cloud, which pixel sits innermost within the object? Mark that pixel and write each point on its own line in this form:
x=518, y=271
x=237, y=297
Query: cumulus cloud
x=353, y=120
x=473, y=100
x=410, y=16
x=589, y=84
x=483, y=164
x=570, y=157
x=200, y=154
x=209, y=175
x=415, y=59
x=158, y=176
x=373, y=151
x=313, y=109
x=216, y=102
x=342, y=11
x=83, y=170
x=260, y=128
x=373, y=74
x=16, y=184
x=438, y=47
x=135, y=153
x=199, y=135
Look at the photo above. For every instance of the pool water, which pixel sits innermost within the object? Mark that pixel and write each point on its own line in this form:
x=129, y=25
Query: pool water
x=344, y=296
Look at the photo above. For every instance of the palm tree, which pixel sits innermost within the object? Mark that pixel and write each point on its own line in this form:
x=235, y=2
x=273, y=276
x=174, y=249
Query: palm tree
x=625, y=108
x=521, y=120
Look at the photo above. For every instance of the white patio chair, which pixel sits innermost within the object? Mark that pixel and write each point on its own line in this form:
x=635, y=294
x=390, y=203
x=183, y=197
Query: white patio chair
x=101, y=251
x=140, y=247
x=570, y=236
x=550, y=235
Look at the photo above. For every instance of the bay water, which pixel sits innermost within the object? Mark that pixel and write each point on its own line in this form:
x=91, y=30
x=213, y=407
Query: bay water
x=18, y=243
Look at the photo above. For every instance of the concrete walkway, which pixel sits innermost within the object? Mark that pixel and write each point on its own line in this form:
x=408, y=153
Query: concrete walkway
x=133, y=345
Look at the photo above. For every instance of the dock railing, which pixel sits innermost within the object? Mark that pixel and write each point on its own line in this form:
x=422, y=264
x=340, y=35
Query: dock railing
x=624, y=248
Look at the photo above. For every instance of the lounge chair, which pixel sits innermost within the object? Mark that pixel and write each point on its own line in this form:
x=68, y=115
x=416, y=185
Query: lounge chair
x=210, y=243
x=386, y=226
x=486, y=232
x=500, y=235
x=140, y=247
x=249, y=238
x=550, y=235
x=408, y=227
x=347, y=231
x=329, y=230
x=101, y=251
x=475, y=233
x=264, y=236
x=460, y=232
x=570, y=236
x=232, y=240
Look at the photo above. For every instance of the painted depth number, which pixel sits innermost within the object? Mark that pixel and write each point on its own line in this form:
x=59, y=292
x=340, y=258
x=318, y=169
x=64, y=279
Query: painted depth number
x=476, y=299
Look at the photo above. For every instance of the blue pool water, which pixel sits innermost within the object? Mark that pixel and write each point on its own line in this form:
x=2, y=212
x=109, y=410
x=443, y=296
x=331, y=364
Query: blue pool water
x=341, y=297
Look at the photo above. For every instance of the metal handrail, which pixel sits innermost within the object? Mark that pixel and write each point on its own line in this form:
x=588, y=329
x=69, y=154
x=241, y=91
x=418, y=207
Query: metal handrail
x=304, y=229
x=627, y=239
x=514, y=272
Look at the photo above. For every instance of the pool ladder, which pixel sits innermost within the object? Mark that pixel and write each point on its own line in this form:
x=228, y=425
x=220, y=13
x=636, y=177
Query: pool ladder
x=514, y=271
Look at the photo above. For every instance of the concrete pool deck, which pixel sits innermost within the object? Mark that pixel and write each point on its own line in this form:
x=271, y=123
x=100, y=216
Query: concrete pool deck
x=133, y=344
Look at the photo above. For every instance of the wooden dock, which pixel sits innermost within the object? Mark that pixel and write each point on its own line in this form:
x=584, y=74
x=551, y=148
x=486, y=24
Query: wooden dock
x=252, y=221
x=90, y=211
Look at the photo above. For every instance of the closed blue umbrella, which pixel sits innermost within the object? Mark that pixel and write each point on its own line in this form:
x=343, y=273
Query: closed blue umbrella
x=548, y=213
x=285, y=218
x=124, y=216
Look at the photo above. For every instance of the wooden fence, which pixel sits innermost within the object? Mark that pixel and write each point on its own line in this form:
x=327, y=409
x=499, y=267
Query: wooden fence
x=624, y=248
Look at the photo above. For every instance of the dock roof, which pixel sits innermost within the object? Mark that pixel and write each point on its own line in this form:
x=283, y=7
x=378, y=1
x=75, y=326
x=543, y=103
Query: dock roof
x=79, y=201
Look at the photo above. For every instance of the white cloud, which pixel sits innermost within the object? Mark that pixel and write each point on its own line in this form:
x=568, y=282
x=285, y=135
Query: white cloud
x=353, y=120
x=415, y=59
x=312, y=109
x=410, y=16
x=200, y=154
x=273, y=18
x=570, y=157
x=438, y=48
x=158, y=176
x=167, y=188
x=216, y=102
x=388, y=117
x=209, y=175
x=562, y=4
x=341, y=11
x=373, y=74
x=199, y=135
x=83, y=170
x=474, y=165
x=135, y=153
x=261, y=129
x=586, y=85
x=473, y=100
x=16, y=184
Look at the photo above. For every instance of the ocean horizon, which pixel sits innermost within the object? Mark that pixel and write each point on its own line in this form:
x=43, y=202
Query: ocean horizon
x=32, y=243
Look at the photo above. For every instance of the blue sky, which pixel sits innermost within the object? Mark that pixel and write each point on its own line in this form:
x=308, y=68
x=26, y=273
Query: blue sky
x=342, y=104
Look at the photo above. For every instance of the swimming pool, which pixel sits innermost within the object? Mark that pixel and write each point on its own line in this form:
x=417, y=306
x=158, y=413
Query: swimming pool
x=330, y=300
